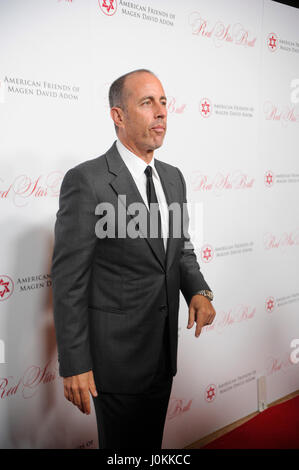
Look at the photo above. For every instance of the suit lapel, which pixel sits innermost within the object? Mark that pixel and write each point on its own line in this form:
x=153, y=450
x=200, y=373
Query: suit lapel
x=124, y=184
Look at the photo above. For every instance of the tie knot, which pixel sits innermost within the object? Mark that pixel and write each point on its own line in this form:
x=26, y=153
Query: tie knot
x=148, y=171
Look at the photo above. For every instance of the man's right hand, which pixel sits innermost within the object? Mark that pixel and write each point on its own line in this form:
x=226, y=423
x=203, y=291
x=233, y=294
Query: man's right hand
x=77, y=388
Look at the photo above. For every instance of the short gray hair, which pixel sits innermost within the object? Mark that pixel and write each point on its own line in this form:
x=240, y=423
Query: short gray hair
x=116, y=90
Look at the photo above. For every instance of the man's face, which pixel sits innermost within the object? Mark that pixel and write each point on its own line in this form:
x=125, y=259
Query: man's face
x=145, y=113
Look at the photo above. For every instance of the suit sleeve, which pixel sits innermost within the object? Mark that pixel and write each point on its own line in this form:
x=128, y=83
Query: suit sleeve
x=74, y=246
x=191, y=278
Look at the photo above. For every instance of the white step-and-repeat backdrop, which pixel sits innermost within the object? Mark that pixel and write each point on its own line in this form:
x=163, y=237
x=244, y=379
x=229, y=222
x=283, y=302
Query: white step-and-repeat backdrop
x=230, y=69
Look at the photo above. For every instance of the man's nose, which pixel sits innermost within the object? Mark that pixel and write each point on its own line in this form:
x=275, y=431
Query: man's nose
x=160, y=111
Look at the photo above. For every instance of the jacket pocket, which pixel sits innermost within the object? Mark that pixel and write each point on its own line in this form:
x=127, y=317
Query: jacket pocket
x=106, y=309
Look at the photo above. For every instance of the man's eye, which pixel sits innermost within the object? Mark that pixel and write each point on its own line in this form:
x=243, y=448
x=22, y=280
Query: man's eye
x=147, y=102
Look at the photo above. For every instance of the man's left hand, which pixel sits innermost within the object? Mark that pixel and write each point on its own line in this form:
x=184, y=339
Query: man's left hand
x=201, y=311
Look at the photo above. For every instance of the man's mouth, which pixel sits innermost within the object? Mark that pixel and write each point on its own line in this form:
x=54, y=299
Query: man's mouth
x=159, y=128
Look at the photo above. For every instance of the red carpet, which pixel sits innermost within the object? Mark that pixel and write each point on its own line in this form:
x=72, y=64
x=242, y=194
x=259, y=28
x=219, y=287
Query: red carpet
x=275, y=428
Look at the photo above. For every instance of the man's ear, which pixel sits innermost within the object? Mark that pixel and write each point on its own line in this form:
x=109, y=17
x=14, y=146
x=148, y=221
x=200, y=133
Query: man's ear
x=117, y=115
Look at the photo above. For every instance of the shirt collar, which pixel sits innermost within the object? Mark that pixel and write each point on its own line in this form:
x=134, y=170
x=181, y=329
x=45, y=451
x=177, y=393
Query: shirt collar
x=134, y=163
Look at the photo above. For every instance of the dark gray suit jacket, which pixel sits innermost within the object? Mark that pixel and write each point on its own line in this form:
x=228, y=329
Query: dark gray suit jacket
x=112, y=296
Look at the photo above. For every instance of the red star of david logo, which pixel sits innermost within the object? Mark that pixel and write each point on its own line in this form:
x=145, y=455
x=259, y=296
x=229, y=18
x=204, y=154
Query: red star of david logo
x=5, y=290
x=270, y=304
x=210, y=393
x=6, y=287
x=108, y=6
x=205, y=107
x=272, y=42
x=269, y=178
x=207, y=253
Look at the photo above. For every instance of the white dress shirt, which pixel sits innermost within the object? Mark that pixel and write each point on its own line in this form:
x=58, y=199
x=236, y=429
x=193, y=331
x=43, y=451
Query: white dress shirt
x=136, y=167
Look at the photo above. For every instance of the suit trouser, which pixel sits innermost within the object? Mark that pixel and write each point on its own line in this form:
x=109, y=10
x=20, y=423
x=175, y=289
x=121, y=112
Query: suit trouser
x=136, y=420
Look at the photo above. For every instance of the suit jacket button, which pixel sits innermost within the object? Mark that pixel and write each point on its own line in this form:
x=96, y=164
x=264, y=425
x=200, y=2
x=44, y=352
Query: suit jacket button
x=163, y=308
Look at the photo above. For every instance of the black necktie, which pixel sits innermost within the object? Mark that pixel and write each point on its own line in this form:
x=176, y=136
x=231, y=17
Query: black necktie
x=152, y=198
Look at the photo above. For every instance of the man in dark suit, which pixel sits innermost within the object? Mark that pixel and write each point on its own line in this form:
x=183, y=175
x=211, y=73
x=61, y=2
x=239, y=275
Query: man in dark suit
x=116, y=297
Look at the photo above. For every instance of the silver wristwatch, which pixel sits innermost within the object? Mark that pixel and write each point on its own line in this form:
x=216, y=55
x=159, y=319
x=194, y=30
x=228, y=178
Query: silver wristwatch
x=206, y=293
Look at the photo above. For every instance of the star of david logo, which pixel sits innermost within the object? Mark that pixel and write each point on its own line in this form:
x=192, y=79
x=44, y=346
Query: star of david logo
x=6, y=287
x=210, y=393
x=269, y=178
x=207, y=253
x=270, y=304
x=108, y=6
x=205, y=107
x=272, y=42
